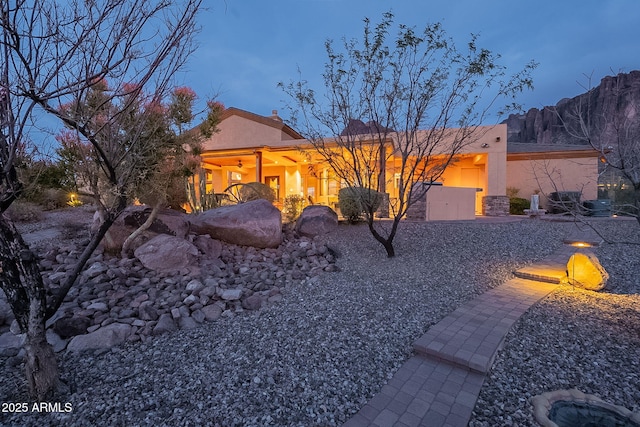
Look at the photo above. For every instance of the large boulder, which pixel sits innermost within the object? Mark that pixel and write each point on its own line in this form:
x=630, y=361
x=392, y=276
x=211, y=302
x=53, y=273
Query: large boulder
x=585, y=271
x=167, y=221
x=315, y=220
x=256, y=223
x=166, y=253
x=105, y=337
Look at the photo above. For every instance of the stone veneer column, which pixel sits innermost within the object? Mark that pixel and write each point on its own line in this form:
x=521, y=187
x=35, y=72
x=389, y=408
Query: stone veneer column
x=495, y=206
x=418, y=208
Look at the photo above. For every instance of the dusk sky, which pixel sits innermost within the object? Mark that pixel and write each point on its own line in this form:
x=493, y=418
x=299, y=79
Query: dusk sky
x=248, y=46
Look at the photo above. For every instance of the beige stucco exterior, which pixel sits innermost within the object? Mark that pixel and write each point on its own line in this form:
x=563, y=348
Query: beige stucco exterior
x=531, y=171
x=250, y=147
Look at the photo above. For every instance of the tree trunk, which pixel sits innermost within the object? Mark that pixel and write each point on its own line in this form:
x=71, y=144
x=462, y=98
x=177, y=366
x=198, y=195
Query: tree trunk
x=22, y=283
x=388, y=241
x=129, y=240
x=41, y=368
x=636, y=194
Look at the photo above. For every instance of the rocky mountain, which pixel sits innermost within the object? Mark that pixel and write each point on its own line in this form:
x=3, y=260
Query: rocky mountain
x=612, y=99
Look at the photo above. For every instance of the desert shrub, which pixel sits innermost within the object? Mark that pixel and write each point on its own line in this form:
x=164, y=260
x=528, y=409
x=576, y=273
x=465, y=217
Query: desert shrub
x=517, y=205
x=254, y=191
x=293, y=205
x=53, y=198
x=353, y=202
x=512, y=192
x=21, y=211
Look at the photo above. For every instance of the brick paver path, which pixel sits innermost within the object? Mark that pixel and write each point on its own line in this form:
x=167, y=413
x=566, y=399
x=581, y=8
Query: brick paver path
x=440, y=384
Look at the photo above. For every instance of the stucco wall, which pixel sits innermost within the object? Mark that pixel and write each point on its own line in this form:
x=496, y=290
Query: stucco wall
x=547, y=176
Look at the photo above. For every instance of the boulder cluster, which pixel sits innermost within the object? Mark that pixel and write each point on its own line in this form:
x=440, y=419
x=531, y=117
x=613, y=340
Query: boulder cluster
x=171, y=283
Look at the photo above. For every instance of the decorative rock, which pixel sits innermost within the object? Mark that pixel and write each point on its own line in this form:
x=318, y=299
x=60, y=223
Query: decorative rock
x=166, y=253
x=231, y=294
x=95, y=270
x=315, y=220
x=198, y=316
x=56, y=342
x=210, y=247
x=187, y=323
x=147, y=311
x=254, y=302
x=165, y=324
x=194, y=286
x=10, y=344
x=105, y=337
x=98, y=306
x=151, y=302
x=256, y=223
x=15, y=328
x=67, y=327
x=167, y=222
x=212, y=312
x=191, y=299
x=584, y=270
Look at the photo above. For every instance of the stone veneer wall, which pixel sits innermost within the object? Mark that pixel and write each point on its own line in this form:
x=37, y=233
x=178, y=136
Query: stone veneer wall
x=495, y=205
x=418, y=208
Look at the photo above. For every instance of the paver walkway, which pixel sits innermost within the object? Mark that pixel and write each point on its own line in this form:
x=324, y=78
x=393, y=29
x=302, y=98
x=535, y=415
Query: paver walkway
x=440, y=384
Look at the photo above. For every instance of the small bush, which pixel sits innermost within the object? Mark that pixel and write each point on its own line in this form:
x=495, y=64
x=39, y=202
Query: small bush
x=293, y=205
x=254, y=191
x=353, y=202
x=512, y=192
x=53, y=198
x=517, y=205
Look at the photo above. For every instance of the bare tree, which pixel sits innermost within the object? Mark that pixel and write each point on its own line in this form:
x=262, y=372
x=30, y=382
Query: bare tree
x=612, y=128
x=423, y=101
x=54, y=56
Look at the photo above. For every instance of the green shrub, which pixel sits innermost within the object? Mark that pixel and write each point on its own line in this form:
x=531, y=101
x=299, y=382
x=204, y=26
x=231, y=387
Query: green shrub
x=293, y=205
x=254, y=191
x=517, y=205
x=353, y=202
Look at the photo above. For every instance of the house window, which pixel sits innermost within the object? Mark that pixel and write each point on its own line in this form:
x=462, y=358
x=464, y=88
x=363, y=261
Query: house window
x=234, y=177
x=329, y=183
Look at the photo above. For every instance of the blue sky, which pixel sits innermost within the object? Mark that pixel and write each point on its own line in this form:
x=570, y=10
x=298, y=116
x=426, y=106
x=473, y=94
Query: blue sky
x=248, y=46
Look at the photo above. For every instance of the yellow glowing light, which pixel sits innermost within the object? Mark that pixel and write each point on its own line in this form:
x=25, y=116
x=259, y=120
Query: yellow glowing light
x=581, y=245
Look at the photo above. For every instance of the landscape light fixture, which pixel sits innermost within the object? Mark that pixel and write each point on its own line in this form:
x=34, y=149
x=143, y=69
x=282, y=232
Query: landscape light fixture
x=581, y=244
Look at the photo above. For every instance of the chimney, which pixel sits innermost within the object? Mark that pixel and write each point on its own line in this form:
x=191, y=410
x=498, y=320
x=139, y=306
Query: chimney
x=274, y=115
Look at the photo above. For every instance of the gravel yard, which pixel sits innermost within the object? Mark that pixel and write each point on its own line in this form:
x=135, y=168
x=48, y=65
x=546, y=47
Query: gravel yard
x=315, y=358
x=573, y=339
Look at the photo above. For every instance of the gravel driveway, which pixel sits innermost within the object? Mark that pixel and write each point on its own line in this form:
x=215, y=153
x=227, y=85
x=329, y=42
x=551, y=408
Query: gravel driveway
x=330, y=345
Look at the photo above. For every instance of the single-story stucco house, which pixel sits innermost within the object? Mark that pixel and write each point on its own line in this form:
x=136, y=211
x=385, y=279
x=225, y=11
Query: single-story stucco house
x=254, y=148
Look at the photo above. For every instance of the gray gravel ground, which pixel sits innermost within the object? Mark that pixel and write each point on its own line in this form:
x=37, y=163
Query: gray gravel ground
x=334, y=341
x=573, y=339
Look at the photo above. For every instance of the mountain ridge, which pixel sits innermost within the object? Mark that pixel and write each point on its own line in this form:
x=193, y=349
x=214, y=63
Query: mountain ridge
x=614, y=95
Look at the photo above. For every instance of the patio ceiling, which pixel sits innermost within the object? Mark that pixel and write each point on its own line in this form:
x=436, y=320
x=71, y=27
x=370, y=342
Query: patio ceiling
x=248, y=158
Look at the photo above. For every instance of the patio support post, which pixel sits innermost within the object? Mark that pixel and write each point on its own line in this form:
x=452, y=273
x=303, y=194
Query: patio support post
x=258, y=166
